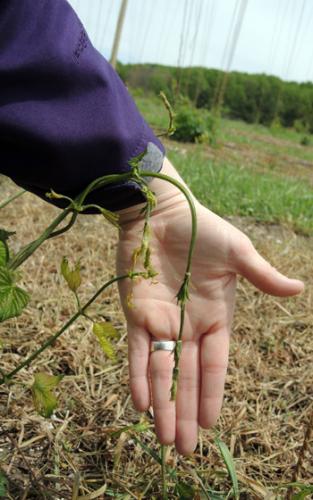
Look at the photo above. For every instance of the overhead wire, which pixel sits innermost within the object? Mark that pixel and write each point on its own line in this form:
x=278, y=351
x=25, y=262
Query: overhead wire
x=304, y=32
x=146, y=31
x=105, y=26
x=167, y=30
x=231, y=45
x=99, y=22
x=296, y=38
x=194, y=40
x=181, y=47
x=275, y=36
x=210, y=15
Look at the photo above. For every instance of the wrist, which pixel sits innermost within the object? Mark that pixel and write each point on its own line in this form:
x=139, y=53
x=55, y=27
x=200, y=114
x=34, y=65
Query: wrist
x=167, y=196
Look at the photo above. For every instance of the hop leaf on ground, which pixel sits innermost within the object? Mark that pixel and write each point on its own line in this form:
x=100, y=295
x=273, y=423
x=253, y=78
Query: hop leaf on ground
x=12, y=298
x=4, y=249
x=71, y=276
x=104, y=332
x=44, y=398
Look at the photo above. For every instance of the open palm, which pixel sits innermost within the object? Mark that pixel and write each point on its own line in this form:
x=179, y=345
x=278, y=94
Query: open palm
x=221, y=252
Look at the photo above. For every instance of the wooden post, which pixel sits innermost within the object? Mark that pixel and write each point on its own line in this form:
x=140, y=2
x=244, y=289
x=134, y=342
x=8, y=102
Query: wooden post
x=118, y=32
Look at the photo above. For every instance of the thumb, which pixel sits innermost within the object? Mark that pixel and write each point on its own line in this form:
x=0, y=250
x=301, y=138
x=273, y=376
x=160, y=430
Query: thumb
x=251, y=265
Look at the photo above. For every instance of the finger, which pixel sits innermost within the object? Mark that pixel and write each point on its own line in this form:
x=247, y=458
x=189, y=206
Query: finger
x=187, y=399
x=138, y=357
x=214, y=360
x=161, y=367
x=261, y=274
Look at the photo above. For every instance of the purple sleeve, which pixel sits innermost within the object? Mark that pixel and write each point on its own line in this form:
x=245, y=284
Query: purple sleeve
x=65, y=116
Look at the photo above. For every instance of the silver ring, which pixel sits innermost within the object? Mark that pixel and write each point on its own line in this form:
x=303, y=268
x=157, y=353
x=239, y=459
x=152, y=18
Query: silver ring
x=162, y=345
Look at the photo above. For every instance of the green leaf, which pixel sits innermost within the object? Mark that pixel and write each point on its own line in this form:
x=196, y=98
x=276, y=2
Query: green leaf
x=139, y=427
x=103, y=332
x=301, y=495
x=5, y=235
x=3, y=485
x=12, y=298
x=3, y=253
x=71, y=276
x=184, y=491
x=44, y=398
x=228, y=460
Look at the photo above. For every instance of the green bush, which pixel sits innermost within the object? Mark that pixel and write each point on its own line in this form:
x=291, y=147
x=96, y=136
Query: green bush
x=193, y=125
x=305, y=141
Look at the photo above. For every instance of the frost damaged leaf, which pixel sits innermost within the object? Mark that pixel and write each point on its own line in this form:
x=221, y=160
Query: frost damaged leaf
x=71, y=276
x=105, y=329
x=12, y=298
x=104, y=332
x=44, y=398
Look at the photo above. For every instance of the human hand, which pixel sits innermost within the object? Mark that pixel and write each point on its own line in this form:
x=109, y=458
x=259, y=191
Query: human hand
x=221, y=252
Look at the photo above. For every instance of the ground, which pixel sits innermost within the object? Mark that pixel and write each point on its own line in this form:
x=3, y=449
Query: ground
x=269, y=394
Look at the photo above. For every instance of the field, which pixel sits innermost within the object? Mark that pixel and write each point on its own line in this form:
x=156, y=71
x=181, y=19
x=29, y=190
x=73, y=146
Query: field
x=262, y=181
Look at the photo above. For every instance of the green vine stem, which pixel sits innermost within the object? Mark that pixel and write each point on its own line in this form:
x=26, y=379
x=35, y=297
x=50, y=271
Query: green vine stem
x=53, y=338
x=12, y=198
x=65, y=228
x=183, y=292
x=30, y=248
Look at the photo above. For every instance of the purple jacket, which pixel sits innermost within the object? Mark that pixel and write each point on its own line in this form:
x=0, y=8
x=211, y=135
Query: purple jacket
x=65, y=116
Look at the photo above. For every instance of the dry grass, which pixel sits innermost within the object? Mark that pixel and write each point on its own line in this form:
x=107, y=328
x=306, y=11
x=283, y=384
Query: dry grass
x=269, y=394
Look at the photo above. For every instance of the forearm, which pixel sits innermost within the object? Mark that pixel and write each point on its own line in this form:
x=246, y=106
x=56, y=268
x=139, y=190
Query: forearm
x=65, y=116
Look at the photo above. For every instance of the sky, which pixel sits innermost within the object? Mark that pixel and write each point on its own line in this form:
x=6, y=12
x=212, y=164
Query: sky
x=274, y=36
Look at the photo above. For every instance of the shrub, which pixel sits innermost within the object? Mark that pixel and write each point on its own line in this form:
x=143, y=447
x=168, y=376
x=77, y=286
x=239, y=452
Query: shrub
x=305, y=141
x=193, y=125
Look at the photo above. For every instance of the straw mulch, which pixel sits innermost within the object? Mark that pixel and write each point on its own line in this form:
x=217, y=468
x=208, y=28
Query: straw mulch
x=269, y=394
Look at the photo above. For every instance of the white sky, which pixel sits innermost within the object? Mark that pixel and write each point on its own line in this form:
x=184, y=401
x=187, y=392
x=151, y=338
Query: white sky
x=276, y=35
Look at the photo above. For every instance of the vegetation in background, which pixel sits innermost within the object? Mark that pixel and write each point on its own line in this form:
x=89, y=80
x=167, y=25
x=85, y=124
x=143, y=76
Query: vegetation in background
x=253, y=98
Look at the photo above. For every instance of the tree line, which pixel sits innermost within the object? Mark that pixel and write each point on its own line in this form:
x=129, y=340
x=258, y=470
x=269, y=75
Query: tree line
x=254, y=98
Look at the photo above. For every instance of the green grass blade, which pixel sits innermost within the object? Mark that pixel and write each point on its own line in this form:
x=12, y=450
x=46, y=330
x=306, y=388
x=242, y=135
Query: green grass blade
x=228, y=460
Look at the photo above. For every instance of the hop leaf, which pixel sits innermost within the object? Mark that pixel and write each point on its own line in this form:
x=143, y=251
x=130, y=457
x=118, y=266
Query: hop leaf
x=4, y=249
x=71, y=276
x=104, y=332
x=12, y=298
x=44, y=398
x=5, y=235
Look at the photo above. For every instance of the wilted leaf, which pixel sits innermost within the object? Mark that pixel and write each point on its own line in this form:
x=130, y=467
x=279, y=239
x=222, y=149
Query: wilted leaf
x=111, y=217
x=12, y=298
x=44, y=398
x=103, y=332
x=105, y=329
x=228, y=460
x=71, y=276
